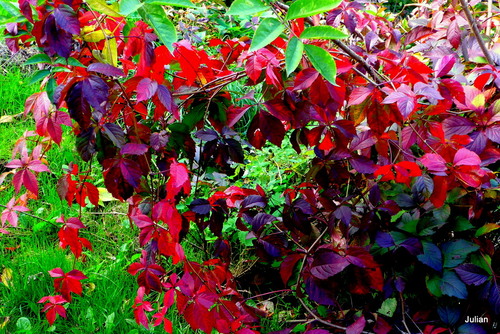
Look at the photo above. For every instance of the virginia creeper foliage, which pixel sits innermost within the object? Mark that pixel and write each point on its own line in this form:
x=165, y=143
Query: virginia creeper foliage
x=389, y=230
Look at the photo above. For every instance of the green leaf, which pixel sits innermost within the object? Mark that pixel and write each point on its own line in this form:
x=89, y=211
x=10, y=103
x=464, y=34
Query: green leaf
x=462, y=224
x=175, y=3
x=38, y=59
x=486, y=229
x=128, y=7
x=247, y=7
x=305, y=8
x=10, y=8
x=434, y=285
x=38, y=75
x=323, y=32
x=293, y=54
x=70, y=61
x=455, y=252
x=102, y=7
x=388, y=307
x=268, y=30
x=164, y=28
x=322, y=61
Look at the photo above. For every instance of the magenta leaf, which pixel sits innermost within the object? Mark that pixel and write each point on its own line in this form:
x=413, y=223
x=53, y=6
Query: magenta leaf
x=444, y=65
x=146, y=88
x=434, y=163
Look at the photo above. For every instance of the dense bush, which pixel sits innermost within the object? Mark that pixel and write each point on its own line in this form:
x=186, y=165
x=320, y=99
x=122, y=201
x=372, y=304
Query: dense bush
x=386, y=229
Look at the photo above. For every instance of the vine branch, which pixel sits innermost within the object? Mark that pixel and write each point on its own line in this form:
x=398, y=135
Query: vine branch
x=476, y=32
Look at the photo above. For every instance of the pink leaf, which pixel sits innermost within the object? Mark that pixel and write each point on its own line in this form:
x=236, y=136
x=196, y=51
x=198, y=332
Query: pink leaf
x=444, y=65
x=466, y=157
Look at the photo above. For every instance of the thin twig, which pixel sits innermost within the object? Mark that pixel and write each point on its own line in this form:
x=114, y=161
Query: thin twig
x=324, y=322
x=476, y=32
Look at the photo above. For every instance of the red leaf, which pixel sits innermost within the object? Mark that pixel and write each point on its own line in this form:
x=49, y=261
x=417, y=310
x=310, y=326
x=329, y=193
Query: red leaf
x=453, y=34
x=178, y=181
x=288, y=264
x=440, y=191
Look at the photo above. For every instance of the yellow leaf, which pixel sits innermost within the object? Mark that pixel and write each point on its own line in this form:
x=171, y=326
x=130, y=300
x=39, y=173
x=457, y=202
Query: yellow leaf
x=105, y=196
x=479, y=101
x=94, y=36
x=102, y=7
x=6, y=277
x=9, y=118
x=110, y=52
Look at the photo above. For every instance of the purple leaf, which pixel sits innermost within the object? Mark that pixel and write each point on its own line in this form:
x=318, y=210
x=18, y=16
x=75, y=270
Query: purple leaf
x=328, y=264
x=95, y=91
x=207, y=135
x=105, y=69
x=261, y=219
x=494, y=297
x=493, y=133
x=131, y=171
x=452, y=286
x=58, y=41
x=134, y=149
x=114, y=133
x=318, y=292
x=78, y=106
x=146, y=88
x=444, y=65
x=166, y=99
x=344, y=213
x=456, y=125
x=384, y=239
x=432, y=256
x=317, y=331
x=67, y=20
x=363, y=165
x=158, y=140
x=363, y=140
x=253, y=201
x=427, y=91
x=201, y=206
x=471, y=274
